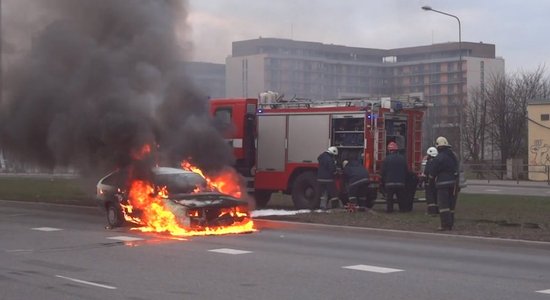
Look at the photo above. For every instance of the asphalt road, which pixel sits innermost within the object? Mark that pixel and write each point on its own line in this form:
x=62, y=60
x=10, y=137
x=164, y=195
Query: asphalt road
x=56, y=252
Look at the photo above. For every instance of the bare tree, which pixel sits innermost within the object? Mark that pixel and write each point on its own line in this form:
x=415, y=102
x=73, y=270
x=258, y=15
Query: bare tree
x=473, y=131
x=507, y=98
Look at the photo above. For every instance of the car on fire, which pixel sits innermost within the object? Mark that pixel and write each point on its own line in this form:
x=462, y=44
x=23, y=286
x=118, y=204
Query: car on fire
x=195, y=205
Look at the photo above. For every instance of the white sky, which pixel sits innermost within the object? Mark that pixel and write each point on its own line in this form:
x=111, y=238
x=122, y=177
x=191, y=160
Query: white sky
x=519, y=29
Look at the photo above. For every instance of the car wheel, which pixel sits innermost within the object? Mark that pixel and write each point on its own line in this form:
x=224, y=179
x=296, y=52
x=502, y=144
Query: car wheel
x=114, y=215
x=262, y=198
x=303, y=191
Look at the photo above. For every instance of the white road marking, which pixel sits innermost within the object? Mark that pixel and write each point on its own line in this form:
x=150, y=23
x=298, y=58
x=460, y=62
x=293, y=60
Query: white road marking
x=490, y=190
x=374, y=269
x=19, y=250
x=46, y=229
x=544, y=292
x=230, y=251
x=88, y=282
x=125, y=238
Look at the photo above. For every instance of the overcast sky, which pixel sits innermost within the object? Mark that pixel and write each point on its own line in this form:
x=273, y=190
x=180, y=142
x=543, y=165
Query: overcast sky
x=519, y=29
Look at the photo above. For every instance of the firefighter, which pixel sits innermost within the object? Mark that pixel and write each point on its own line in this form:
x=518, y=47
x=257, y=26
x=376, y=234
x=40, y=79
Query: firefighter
x=356, y=178
x=429, y=184
x=444, y=170
x=325, y=177
x=394, y=174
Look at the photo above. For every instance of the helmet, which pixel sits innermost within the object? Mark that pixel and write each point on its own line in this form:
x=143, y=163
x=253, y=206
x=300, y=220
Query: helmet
x=432, y=151
x=332, y=150
x=392, y=146
x=442, y=142
x=345, y=163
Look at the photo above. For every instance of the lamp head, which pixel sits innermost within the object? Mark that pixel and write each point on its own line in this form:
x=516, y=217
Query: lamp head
x=426, y=7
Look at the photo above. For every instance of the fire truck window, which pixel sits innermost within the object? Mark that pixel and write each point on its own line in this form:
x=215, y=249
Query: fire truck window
x=251, y=108
x=348, y=132
x=223, y=116
x=396, y=131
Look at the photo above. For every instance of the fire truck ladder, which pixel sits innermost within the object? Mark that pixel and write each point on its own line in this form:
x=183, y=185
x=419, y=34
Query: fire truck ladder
x=417, y=142
x=306, y=103
x=380, y=142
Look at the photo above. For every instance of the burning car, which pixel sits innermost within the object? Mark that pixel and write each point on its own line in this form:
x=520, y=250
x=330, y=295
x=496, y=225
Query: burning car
x=173, y=200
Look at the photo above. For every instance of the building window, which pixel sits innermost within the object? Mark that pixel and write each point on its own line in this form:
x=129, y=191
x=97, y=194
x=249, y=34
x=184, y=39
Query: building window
x=545, y=117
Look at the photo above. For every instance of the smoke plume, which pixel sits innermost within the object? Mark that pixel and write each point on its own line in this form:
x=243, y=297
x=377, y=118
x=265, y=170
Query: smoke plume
x=100, y=79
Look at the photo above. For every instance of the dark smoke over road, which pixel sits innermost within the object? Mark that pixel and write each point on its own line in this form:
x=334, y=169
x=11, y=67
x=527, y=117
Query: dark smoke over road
x=102, y=78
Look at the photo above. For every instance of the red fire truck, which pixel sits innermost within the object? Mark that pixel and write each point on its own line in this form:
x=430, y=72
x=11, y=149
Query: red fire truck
x=276, y=142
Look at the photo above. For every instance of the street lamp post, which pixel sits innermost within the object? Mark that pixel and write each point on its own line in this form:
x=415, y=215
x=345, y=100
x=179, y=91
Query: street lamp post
x=461, y=106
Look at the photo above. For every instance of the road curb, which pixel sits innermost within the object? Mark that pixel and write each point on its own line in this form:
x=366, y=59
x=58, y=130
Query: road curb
x=495, y=184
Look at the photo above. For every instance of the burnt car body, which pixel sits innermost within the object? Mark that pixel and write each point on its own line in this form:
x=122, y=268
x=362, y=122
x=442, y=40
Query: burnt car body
x=193, y=210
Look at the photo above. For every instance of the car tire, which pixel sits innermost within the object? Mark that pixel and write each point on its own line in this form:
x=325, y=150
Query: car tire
x=114, y=215
x=262, y=197
x=304, y=195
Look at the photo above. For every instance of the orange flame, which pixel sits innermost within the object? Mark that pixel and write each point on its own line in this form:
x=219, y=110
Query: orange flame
x=156, y=217
x=142, y=152
x=227, y=182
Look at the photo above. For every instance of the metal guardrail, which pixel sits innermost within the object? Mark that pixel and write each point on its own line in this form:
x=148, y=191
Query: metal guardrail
x=501, y=172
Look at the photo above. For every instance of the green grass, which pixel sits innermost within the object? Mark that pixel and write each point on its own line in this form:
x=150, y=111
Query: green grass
x=517, y=217
x=55, y=190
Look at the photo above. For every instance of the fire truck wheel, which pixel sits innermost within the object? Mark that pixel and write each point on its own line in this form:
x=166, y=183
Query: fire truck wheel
x=114, y=215
x=262, y=198
x=303, y=191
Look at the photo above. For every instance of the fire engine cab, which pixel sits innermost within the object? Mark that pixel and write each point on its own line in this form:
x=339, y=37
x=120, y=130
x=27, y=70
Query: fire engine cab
x=276, y=142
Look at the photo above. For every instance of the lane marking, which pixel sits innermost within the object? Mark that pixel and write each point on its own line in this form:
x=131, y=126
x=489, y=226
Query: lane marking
x=544, y=292
x=490, y=190
x=19, y=250
x=125, y=238
x=87, y=282
x=230, y=251
x=46, y=229
x=374, y=269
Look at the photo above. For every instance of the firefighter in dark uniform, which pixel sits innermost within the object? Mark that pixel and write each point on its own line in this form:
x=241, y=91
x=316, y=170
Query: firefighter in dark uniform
x=394, y=175
x=444, y=170
x=429, y=184
x=356, y=178
x=325, y=177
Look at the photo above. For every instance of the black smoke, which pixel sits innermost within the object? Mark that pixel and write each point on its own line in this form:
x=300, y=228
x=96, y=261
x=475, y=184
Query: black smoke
x=101, y=78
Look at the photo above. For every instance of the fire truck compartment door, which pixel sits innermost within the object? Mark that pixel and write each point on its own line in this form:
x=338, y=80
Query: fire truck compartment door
x=308, y=135
x=271, y=143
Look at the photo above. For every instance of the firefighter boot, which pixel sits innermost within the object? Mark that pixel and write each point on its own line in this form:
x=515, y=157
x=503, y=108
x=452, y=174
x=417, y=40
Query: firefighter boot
x=446, y=219
x=452, y=218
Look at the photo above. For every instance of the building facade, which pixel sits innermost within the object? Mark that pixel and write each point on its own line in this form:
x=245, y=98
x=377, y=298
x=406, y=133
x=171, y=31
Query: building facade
x=538, y=113
x=209, y=78
x=442, y=73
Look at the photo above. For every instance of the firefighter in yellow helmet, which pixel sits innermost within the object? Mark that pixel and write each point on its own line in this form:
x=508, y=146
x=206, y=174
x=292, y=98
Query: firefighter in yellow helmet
x=444, y=171
x=393, y=176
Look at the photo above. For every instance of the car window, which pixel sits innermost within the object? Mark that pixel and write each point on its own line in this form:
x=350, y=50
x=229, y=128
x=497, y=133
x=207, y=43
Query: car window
x=180, y=183
x=111, y=179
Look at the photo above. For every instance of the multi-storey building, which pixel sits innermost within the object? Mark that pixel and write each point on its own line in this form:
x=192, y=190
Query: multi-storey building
x=207, y=77
x=442, y=73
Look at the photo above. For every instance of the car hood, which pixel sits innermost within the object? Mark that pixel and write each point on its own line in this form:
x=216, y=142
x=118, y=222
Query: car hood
x=206, y=200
